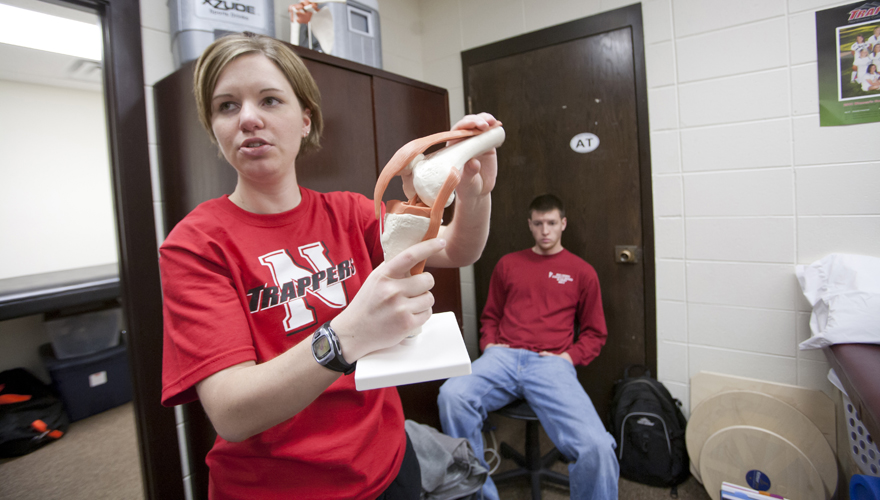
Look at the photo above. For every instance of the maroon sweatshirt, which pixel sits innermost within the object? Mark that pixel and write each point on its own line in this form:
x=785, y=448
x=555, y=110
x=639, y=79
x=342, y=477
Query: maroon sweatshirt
x=534, y=300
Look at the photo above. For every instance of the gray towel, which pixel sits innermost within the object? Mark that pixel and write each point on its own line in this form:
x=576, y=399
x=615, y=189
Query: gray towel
x=450, y=470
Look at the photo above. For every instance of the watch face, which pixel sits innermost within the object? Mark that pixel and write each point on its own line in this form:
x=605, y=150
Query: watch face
x=321, y=346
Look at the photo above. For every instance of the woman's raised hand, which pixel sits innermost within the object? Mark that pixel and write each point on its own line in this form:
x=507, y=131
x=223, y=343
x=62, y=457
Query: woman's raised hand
x=478, y=175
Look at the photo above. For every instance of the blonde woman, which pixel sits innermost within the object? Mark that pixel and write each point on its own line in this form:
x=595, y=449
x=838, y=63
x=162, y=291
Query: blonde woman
x=273, y=293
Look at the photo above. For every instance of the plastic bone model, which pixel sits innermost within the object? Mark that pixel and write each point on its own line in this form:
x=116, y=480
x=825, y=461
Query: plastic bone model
x=302, y=12
x=318, y=20
x=435, y=178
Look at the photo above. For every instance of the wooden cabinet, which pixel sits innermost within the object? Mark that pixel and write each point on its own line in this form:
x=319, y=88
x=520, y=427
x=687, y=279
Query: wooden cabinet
x=368, y=115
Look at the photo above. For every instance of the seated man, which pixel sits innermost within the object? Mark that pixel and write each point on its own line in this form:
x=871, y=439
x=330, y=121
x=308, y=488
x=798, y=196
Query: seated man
x=535, y=296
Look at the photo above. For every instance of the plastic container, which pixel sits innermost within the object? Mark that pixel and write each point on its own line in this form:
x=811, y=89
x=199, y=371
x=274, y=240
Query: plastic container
x=356, y=32
x=89, y=384
x=861, y=444
x=864, y=487
x=86, y=333
x=197, y=23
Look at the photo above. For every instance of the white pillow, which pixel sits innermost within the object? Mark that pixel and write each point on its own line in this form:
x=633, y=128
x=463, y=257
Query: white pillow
x=844, y=291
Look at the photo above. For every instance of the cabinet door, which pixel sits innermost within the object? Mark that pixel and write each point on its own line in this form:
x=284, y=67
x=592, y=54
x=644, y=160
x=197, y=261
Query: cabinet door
x=347, y=158
x=404, y=113
x=192, y=168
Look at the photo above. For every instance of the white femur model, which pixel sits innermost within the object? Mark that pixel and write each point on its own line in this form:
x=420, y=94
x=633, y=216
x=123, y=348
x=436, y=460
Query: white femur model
x=434, y=178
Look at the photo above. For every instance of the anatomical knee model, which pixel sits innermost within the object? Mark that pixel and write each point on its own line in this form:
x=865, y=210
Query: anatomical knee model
x=434, y=179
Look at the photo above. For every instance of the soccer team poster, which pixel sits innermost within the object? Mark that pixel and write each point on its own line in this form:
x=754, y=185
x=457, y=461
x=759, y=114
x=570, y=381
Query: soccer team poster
x=848, y=50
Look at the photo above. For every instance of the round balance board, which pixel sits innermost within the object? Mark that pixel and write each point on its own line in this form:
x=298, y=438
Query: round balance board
x=758, y=459
x=764, y=412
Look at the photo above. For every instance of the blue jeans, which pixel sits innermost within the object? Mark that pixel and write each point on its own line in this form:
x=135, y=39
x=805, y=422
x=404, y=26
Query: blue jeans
x=550, y=385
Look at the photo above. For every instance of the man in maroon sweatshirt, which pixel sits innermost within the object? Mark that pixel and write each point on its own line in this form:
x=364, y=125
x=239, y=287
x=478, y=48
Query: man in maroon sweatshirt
x=535, y=298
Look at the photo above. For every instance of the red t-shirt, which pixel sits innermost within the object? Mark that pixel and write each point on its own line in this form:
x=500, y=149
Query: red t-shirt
x=534, y=300
x=243, y=287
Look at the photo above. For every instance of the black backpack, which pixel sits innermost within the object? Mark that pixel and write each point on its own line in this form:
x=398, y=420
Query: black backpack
x=31, y=415
x=649, y=428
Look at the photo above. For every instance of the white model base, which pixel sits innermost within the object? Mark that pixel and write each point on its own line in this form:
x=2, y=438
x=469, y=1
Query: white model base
x=438, y=352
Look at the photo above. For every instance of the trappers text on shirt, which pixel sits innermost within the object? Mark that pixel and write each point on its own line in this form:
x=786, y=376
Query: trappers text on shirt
x=293, y=282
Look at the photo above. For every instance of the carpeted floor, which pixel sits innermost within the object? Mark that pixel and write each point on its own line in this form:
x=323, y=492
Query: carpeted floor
x=513, y=433
x=627, y=490
x=98, y=459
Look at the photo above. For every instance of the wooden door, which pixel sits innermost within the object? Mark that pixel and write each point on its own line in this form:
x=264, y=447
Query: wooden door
x=547, y=87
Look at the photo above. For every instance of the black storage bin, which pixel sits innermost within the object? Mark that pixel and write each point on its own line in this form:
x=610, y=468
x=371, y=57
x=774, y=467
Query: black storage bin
x=92, y=383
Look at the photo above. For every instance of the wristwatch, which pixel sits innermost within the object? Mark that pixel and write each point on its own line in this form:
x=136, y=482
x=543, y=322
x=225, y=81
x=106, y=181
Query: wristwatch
x=327, y=352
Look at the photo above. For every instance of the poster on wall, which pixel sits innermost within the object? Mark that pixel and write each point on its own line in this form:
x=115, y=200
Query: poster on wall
x=848, y=50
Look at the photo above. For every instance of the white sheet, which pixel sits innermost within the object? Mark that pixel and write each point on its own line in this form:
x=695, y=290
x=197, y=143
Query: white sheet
x=844, y=291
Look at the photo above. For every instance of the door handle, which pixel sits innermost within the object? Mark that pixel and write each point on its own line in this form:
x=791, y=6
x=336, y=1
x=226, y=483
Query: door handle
x=626, y=254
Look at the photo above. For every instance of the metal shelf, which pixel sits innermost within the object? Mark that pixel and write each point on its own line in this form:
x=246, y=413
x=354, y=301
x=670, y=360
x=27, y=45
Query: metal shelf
x=39, y=293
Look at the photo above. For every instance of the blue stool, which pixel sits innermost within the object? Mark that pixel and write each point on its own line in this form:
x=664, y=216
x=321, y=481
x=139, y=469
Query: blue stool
x=532, y=464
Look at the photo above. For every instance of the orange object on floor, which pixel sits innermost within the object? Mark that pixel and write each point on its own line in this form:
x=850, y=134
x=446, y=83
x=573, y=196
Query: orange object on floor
x=40, y=426
x=8, y=399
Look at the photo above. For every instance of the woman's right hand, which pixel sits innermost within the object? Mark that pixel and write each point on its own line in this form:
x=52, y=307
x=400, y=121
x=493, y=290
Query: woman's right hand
x=389, y=305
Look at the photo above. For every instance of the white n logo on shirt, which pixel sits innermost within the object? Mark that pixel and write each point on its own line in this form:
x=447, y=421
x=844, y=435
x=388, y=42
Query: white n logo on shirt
x=293, y=284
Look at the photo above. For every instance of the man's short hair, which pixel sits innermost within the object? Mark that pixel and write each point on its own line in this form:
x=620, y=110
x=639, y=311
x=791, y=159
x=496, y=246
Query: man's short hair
x=546, y=203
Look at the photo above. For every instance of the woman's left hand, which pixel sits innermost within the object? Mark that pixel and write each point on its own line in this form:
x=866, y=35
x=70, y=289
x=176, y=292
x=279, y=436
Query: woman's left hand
x=478, y=175
x=467, y=232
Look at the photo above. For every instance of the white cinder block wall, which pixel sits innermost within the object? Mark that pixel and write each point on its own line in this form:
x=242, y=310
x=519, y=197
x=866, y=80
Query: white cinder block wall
x=746, y=183
x=755, y=186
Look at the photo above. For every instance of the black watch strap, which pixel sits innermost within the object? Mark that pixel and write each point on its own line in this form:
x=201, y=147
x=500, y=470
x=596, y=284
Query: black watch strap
x=327, y=351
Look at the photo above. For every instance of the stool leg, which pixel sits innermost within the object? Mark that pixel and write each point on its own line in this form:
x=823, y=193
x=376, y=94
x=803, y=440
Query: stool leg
x=547, y=461
x=551, y=476
x=507, y=451
x=531, y=463
x=533, y=445
x=533, y=457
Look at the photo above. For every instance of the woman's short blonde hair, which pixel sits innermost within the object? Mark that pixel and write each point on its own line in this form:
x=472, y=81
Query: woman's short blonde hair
x=226, y=49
